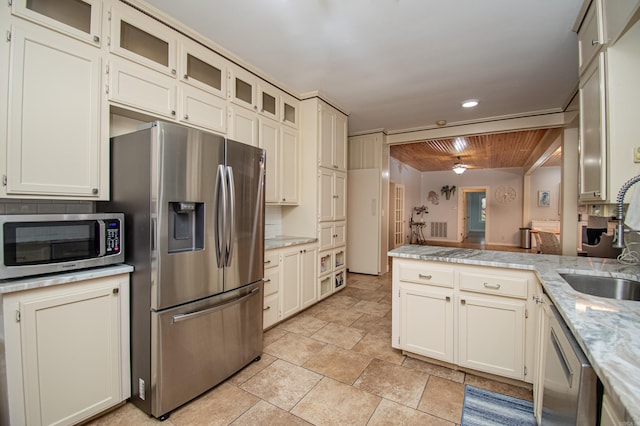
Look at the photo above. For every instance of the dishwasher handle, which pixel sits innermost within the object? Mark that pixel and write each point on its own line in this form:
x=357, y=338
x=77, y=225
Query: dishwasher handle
x=563, y=358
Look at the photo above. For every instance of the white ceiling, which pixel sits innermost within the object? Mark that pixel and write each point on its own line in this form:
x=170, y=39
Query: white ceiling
x=400, y=64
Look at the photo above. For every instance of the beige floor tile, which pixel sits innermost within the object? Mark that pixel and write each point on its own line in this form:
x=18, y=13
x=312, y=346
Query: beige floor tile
x=220, y=406
x=393, y=382
x=362, y=283
x=128, y=415
x=272, y=335
x=305, y=325
x=380, y=326
x=334, y=403
x=251, y=369
x=264, y=413
x=499, y=387
x=282, y=384
x=340, y=316
x=372, y=308
x=339, y=364
x=379, y=347
x=339, y=335
x=371, y=295
x=340, y=301
x=434, y=370
x=391, y=413
x=443, y=398
x=294, y=348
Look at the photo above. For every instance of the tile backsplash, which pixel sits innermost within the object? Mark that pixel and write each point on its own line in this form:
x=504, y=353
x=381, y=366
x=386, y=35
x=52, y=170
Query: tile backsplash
x=45, y=207
x=272, y=221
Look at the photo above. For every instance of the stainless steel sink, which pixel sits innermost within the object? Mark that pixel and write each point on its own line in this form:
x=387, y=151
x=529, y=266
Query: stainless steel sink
x=612, y=288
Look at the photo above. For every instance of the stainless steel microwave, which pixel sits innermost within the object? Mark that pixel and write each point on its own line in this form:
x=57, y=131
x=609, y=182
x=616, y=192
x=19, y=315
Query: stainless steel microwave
x=50, y=243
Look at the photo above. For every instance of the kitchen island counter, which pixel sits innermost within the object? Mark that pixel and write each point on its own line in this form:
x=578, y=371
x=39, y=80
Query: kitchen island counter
x=607, y=330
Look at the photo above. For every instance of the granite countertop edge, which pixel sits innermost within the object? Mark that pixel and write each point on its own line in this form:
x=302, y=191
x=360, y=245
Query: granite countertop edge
x=607, y=330
x=286, y=241
x=30, y=283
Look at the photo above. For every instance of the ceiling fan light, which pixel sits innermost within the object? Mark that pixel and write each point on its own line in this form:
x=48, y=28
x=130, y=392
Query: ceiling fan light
x=459, y=168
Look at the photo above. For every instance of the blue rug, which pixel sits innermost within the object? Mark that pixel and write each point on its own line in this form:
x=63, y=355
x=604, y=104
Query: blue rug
x=482, y=407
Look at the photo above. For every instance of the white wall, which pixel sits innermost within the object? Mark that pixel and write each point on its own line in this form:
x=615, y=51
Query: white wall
x=411, y=178
x=545, y=179
x=503, y=220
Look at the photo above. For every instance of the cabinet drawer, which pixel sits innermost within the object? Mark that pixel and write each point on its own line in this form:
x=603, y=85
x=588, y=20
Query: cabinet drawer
x=270, y=311
x=271, y=281
x=426, y=274
x=494, y=284
x=271, y=259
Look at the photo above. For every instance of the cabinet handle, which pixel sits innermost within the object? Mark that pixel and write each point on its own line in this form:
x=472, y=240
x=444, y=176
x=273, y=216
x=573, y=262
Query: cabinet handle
x=96, y=39
x=266, y=262
x=494, y=286
x=268, y=280
x=424, y=277
x=186, y=77
x=267, y=308
x=448, y=299
x=335, y=167
x=116, y=290
x=463, y=302
x=595, y=42
x=335, y=196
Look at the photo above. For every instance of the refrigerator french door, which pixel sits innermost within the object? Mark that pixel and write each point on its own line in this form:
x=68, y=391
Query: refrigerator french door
x=194, y=206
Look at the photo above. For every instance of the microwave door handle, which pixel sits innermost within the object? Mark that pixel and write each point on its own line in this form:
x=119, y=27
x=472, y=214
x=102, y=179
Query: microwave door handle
x=231, y=216
x=102, y=241
x=219, y=210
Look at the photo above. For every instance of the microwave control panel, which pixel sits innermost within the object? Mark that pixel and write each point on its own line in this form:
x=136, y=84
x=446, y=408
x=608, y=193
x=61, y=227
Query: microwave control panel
x=112, y=236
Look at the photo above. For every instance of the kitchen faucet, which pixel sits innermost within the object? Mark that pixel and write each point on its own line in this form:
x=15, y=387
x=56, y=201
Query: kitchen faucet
x=619, y=240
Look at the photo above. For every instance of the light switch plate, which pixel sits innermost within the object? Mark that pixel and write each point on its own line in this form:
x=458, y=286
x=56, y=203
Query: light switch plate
x=636, y=155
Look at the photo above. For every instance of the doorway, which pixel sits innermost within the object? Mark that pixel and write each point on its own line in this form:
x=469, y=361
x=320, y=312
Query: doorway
x=473, y=216
x=396, y=218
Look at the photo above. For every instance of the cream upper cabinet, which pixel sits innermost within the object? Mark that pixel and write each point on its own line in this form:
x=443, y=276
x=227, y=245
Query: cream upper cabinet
x=270, y=141
x=80, y=19
x=57, y=140
x=68, y=355
x=281, y=145
x=289, y=166
x=290, y=113
x=332, y=193
x=202, y=68
x=243, y=125
x=202, y=109
x=269, y=101
x=617, y=16
x=142, y=89
x=332, y=234
x=144, y=40
x=243, y=88
x=590, y=35
x=332, y=138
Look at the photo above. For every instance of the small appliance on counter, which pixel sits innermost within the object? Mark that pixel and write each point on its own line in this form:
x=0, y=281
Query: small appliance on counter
x=194, y=205
x=50, y=243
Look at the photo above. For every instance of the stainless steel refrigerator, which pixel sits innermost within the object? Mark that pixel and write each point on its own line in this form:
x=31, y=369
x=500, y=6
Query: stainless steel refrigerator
x=194, y=209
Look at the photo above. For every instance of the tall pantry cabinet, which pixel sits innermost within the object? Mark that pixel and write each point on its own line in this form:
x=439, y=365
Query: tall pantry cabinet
x=323, y=204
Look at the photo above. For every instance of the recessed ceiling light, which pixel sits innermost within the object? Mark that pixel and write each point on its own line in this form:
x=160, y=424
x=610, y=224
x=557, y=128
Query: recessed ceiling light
x=441, y=123
x=470, y=103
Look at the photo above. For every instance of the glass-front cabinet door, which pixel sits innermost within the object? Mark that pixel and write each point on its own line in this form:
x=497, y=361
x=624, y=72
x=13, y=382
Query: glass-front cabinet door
x=243, y=88
x=202, y=68
x=269, y=101
x=142, y=39
x=77, y=18
x=290, y=108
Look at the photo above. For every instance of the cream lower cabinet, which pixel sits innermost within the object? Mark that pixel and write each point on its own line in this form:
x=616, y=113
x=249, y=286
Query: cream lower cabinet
x=67, y=350
x=271, y=307
x=478, y=318
x=298, y=279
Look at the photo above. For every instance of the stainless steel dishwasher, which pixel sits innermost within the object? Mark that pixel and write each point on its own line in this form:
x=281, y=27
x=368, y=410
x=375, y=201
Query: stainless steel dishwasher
x=570, y=384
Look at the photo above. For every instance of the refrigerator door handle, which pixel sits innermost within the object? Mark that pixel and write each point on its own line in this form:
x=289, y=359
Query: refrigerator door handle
x=220, y=214
x=223, y=305
x=231, y=225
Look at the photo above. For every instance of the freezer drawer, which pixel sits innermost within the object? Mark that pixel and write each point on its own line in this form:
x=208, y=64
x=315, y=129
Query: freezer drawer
x=200, y=344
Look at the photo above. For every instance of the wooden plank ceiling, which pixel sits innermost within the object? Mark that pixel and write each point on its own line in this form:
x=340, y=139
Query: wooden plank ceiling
x=490, y=151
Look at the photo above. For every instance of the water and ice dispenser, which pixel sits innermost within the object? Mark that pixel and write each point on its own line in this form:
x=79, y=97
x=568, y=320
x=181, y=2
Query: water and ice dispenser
x=186, y=226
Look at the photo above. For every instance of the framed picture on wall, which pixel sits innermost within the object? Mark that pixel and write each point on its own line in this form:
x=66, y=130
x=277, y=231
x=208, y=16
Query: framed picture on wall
x=544, y=198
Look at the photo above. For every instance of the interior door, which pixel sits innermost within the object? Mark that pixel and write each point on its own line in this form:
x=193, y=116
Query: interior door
x=363, y=232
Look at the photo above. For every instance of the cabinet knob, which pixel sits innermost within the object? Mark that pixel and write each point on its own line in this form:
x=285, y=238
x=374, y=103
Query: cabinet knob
x=186, y=77
x=595, y=42
x=186, y=116
x=94, y=191
x=284, y=199
x=448, y=299
x=335, y=167
x=173, y=71
x=173, y=112
x=96, y=39
x=463, y=302
x=116, y=291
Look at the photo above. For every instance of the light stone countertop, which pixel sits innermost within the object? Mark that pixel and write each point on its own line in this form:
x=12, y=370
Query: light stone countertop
x=607, y=330
x=30, y=283
x=286, y=241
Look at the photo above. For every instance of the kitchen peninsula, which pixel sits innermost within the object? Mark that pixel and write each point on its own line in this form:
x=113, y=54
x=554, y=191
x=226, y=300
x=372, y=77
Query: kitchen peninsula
x=607, y=330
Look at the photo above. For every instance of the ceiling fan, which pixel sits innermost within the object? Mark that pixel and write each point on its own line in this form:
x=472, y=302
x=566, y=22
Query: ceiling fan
x=459, y=167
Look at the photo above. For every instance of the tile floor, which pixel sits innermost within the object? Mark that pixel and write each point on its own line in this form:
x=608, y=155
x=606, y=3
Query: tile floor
x=331, y=365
